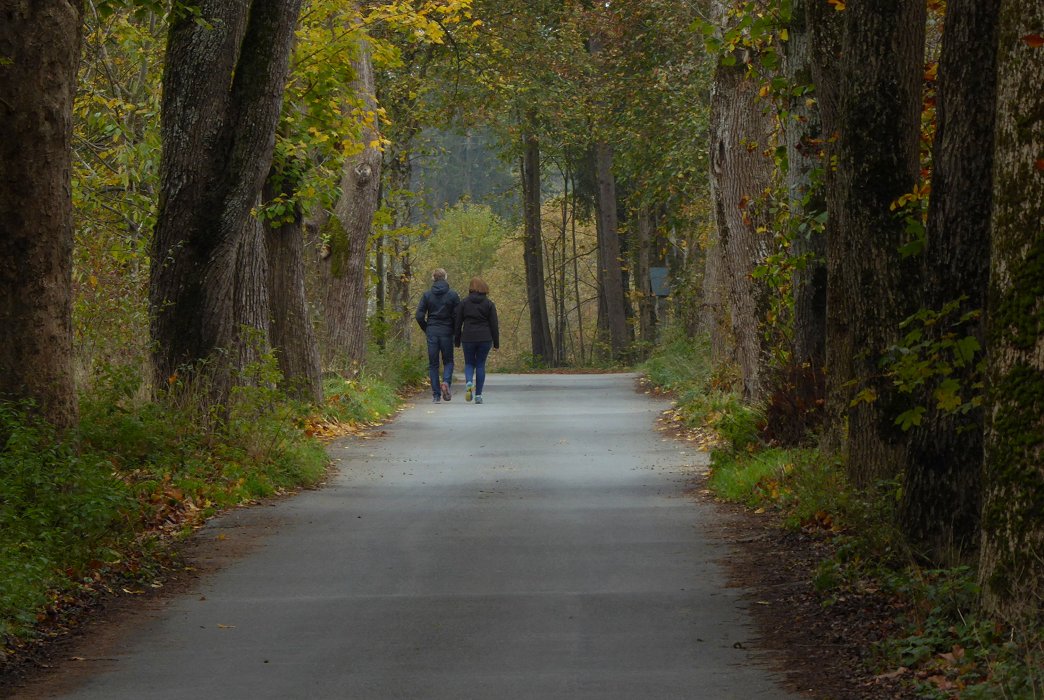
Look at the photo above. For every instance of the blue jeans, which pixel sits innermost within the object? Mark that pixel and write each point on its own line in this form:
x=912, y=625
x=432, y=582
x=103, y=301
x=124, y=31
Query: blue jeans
x=440, y=345
x=475, y=355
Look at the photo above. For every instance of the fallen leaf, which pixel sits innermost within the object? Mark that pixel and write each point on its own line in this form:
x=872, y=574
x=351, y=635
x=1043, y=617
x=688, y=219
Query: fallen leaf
x=892, y=674
x=1034, y=41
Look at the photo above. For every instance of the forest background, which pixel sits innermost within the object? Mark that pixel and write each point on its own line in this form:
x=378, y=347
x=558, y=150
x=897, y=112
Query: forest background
x=217, y=222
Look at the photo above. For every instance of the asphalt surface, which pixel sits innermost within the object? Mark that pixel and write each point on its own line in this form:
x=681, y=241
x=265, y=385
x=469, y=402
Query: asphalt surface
x=537, y=546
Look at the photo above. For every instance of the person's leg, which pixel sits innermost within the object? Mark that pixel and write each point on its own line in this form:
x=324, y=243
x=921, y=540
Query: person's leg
x=446, y=347
x=433, y=365
x=481, y=353
x=468, y=350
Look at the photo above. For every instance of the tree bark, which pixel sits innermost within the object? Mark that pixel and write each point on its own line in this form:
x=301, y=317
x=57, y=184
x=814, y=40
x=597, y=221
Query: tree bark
x=346, y=300
x=290, y=327
x=826, y=26
x=40, y=45
x=398, y=269
x=533, y=253
x=609, y=269
x=1011, y=568
x=561, y=316
x=942, y=485
x=868, y=281
x=805, y=193
x=714, y=314
x=646, y=299
x=740, y=177
x=223, y=87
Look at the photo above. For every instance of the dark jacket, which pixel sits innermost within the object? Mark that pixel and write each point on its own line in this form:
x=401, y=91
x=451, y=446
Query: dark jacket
x=437, y=307
x=476, y=321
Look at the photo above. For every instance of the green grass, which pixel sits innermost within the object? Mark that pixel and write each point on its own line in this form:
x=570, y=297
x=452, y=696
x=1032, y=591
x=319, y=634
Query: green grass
x=680, y=365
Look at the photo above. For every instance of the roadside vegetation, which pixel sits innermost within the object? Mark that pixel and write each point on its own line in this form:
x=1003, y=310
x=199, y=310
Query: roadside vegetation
x=99, y=510
x=949, y=648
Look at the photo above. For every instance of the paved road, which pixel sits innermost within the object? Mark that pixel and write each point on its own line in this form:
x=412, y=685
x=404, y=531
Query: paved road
x=538, y=546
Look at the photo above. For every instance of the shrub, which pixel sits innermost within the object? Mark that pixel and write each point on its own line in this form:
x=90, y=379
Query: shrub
x=60, y=508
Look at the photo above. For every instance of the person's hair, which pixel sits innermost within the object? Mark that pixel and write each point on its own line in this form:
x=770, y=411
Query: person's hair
x=438, y=274
x=477, y=285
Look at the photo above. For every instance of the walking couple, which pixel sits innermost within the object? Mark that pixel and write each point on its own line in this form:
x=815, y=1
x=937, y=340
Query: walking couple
x=470, y=324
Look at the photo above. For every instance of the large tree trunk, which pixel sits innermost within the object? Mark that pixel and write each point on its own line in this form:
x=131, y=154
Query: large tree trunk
x=827, y=26
x=942, y=486
x=714, y=311
x=533, y=253
x=805, y=194
x=1012, y=566
x=346, y=299
x=40, y=46
x=290, y=327
x=610, y=273
x=223, y=86
x=869, y=282
x=740, y=176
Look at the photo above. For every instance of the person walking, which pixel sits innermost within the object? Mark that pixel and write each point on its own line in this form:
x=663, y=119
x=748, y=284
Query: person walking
x=435, y=315
x=477, y=330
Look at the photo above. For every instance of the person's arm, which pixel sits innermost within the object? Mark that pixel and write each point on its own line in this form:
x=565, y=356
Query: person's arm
x=494, y=325
x=422, y=312
x=458, y=324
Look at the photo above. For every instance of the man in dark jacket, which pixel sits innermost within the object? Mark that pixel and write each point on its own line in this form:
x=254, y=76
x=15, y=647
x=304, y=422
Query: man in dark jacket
x=435, y=316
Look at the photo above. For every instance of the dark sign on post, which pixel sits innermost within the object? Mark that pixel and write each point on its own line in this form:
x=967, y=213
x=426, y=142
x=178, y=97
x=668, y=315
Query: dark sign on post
x=658, y=281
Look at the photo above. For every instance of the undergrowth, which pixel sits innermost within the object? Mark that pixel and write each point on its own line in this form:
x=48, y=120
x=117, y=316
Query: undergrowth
x=947, y=648
x=84, y=512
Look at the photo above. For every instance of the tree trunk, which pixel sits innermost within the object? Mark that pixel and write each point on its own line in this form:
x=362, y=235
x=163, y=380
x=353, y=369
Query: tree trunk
x=646, y=299
x=714, y=316
x=740, y=176
x=826, y=26
x=561, y=317
x=533, y=253
x=346, y=300
x=868, y=281
x=805, y=194
x=290, y=326
x=1011, y=568
x=576, y=272
x=223, y=87
x=609, y=270
x=398, y=268
x=40, y=45
x=942, y=486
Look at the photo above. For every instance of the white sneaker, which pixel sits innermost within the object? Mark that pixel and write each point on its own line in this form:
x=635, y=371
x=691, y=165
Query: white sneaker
x=478, y=399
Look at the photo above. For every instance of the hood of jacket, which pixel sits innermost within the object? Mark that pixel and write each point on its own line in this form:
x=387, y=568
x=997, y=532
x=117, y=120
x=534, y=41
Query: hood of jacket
x=440, y=287
x=476, y=297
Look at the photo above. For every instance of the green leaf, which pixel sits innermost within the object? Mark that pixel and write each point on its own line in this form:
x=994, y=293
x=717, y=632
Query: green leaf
x=965, y=350
x=946, y=395
x=908, y=419
x=867, y=395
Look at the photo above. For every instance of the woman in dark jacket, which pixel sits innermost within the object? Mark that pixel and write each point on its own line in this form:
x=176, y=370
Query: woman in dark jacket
x=476, y=331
